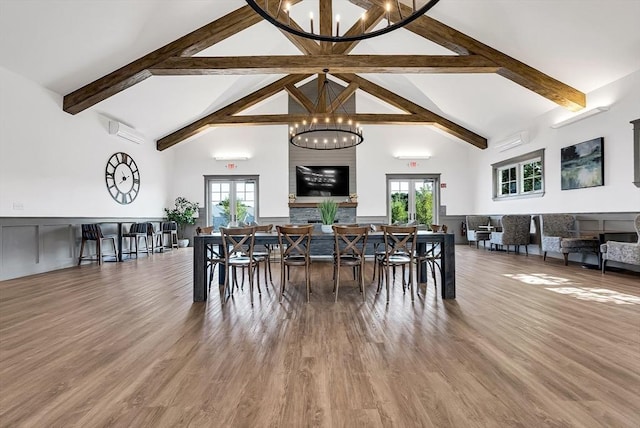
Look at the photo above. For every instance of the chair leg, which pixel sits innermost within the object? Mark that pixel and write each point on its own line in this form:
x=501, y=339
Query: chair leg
x=566, y=258
x=81, y=250
x=361, y=272
x=99, y=250
x=337, y=280
x=282, y=278
x=604, y=264
x=544, y=256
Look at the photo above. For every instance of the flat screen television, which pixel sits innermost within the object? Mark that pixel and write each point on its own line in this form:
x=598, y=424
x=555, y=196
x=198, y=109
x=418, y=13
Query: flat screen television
x=322, y=180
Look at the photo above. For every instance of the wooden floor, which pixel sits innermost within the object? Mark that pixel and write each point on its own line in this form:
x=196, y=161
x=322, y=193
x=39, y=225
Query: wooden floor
x=526, y=343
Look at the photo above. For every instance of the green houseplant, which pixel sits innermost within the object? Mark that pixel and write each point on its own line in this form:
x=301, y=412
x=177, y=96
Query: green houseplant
x=183, y=213
x=328, y=210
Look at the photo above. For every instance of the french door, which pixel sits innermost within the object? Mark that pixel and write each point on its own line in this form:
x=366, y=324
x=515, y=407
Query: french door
x=231, y=200
x=413, y=199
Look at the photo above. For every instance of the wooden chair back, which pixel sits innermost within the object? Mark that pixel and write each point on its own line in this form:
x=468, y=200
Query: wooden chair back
x=294, y=241
x=350, y=240
x=237, y=241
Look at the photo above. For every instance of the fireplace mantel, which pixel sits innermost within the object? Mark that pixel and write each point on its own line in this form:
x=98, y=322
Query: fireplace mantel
x=315, y=204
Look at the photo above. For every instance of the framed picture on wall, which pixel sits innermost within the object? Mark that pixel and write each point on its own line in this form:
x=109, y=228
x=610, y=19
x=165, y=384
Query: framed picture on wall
x=582, y=164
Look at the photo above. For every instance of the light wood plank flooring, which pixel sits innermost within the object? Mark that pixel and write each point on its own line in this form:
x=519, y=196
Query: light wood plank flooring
x=526, y=343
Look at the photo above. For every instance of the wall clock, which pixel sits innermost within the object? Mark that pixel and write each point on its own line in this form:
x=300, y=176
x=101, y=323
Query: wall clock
x=123, y=178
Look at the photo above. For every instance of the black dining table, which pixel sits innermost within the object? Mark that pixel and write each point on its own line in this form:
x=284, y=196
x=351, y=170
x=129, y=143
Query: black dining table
x=445, y=240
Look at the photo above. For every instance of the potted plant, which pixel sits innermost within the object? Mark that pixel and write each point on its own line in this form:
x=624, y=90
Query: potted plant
x=292, y=198
x=328, y=210
x=183, y=213
x=353, y=197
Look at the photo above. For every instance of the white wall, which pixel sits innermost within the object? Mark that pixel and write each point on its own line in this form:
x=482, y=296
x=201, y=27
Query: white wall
x=53, y=164
x=376, y=158
x=617, y=195
x=267, y=148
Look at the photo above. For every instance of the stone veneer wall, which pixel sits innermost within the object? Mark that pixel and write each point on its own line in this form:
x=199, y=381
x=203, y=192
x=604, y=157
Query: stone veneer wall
x=312, y=215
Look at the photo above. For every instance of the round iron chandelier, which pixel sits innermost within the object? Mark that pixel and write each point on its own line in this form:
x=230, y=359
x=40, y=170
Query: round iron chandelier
x=278, y=13
x=327, y=131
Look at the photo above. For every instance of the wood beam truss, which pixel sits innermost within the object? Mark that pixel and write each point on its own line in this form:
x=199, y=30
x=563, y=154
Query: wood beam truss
x=176, y=58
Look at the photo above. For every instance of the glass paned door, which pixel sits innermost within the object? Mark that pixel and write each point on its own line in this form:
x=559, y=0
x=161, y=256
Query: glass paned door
x=231, y=202
x=412, y=201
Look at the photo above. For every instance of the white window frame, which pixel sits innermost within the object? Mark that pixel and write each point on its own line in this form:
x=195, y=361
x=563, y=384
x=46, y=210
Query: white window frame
x=518, y=163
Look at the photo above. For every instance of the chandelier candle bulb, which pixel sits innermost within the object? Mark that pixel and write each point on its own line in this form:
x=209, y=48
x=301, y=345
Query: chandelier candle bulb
x=388, y=14
x=337, y=25
x=311, y=19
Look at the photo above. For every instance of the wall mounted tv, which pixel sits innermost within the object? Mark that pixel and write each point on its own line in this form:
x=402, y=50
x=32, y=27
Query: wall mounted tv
x=322, y=180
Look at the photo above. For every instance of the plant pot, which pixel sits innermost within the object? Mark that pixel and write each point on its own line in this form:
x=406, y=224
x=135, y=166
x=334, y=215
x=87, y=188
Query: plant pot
x=183, y=243
x=327, y=228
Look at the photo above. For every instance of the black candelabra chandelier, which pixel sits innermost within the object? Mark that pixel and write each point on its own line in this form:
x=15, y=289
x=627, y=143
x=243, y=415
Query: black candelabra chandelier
x=329, y=130
x=394, y=13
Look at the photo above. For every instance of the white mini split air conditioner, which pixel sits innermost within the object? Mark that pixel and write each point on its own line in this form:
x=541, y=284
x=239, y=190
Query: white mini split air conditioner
x=514, y=141
x=123, y=131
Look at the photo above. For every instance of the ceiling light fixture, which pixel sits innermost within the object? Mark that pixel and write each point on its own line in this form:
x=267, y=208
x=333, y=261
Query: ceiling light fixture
x=580, y=116
x=409, y=157
x=278, y=13
x=231, y=158
x=326, y=130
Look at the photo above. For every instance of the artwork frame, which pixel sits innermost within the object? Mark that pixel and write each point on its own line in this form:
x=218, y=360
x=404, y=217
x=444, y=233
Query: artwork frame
x=582, y=165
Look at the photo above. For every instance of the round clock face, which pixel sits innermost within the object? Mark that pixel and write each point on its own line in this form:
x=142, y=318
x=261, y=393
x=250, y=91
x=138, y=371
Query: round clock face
x=123, y=178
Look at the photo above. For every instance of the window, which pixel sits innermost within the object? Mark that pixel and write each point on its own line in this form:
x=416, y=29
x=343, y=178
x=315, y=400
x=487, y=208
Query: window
x=231, y=200
x=413, y=198
x=522, y=176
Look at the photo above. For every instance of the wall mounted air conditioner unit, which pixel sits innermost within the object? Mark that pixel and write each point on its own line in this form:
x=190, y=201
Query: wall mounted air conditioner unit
x=514, y=141
x=123, y=131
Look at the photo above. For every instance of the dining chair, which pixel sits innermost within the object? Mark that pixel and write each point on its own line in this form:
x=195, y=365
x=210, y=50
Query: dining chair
x=155, y=237
x=262, y=254
x=93, y=232
x=295, y=251
x=430, y=259
x=213, y=257
x=399, y=250
x=237, y=244
x=350, y=248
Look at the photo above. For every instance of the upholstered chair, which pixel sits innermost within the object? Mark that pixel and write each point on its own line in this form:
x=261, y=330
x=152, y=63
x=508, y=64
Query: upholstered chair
x=515, y=231
x=554, y=227
x=623, y=252
x=559, y=236
x=474, y=234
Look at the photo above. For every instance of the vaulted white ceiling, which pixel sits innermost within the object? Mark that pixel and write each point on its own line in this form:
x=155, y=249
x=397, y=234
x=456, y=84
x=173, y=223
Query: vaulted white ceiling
x=65, y=44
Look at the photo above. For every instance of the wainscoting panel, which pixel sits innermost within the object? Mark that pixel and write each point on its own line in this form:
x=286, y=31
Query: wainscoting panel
x=20, y=250
x=34, y=245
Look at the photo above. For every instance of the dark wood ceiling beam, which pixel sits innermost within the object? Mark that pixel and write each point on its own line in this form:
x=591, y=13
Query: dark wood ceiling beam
x=510, y=68
x=286, y=119
x=233, y=108
x=300, y=98
x=342, y=97
x=371, y=18
x=326, y=24
x=296, y=64
x=136, y=71
x=410, y=107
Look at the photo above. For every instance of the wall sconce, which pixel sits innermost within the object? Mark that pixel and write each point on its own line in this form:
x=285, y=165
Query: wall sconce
x=579, y=117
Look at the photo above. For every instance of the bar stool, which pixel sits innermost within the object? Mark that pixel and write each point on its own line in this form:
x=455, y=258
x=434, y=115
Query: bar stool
x=170, y=230
x=92, y=232
x=137, y=231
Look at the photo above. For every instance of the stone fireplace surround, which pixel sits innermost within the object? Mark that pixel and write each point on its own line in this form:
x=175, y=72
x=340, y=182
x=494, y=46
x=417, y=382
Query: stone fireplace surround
x=307, y=212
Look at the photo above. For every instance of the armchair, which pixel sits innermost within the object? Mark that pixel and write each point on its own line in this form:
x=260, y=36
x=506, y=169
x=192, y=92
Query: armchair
x=559, y=236
x=473, y=232
x=623, y=252
x=515, y=231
